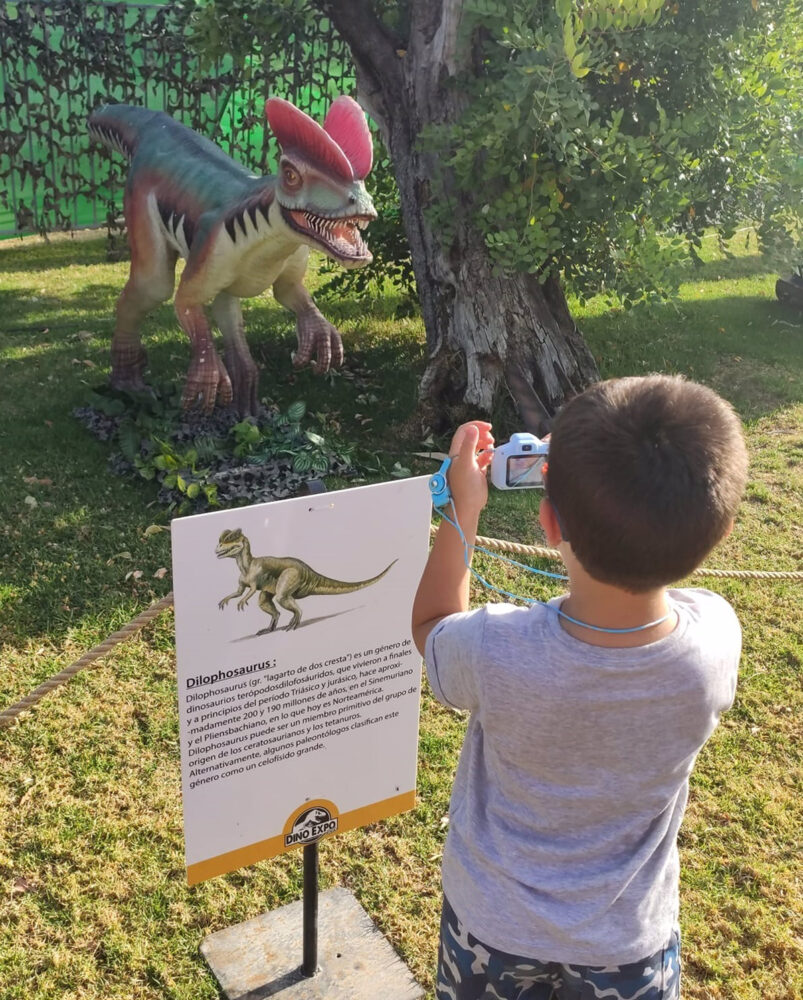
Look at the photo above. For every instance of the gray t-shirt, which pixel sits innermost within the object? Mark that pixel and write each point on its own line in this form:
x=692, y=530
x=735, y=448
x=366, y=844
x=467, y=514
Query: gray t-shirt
x=573, y=777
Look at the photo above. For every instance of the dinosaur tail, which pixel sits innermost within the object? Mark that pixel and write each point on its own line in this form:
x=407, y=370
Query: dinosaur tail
x=325, y=585
x=119, y=126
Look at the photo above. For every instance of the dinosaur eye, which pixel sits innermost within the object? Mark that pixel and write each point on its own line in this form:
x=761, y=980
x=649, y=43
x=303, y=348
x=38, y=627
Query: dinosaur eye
x=291, y=177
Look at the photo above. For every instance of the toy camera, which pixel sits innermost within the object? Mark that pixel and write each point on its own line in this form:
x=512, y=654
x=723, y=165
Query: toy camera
x=519, y=464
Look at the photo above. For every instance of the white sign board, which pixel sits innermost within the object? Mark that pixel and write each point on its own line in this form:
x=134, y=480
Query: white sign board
x=298, y=682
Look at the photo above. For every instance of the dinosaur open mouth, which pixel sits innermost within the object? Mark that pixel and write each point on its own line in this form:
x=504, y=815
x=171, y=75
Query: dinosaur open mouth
x=341, y=238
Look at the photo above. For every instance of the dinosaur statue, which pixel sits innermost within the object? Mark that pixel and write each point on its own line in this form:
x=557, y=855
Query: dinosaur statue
x=279, y=579
x=238, y=233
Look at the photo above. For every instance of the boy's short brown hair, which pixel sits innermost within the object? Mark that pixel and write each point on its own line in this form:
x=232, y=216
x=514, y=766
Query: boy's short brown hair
x=646, y=475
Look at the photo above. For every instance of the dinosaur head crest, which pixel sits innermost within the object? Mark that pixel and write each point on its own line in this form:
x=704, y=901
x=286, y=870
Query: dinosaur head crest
x=320, y=185
x=345, y=122
x=343, y=146
x=229, y=543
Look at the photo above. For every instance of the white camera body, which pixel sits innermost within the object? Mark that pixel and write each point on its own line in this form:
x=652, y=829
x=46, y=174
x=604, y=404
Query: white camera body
x=519, y=464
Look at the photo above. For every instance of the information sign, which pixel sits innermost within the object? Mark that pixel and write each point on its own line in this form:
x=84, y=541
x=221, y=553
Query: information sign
x=298, y=682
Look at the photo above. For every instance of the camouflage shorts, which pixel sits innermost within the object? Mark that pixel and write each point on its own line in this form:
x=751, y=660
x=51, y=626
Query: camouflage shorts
x=470, y=970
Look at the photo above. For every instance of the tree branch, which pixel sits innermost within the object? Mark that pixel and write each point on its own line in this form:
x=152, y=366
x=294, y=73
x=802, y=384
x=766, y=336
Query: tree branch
x=433, y=33
x=373, y=45
x=425, y=16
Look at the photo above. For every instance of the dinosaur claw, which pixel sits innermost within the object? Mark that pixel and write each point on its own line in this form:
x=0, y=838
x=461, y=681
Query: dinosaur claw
x=317, y=336
x=244, y=379
x=206, y=385
x=224, y=396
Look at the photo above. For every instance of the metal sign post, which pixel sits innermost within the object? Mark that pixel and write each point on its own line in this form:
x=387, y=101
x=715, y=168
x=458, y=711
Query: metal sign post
x=310, y=964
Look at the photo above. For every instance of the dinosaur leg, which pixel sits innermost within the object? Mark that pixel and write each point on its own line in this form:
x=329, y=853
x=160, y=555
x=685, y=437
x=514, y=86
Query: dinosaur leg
x=150, y=281
x=246, y=598
x=240, y=365
x=267, y=605
x=316, y=335
x=286, y=586
x=207, y=380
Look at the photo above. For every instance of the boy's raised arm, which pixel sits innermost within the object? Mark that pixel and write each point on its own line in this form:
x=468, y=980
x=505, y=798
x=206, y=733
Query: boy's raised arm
x=444, y=586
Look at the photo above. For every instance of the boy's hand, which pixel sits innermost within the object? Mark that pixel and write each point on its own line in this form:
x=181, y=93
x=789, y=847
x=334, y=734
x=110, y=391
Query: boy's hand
x=471, y=451
x=444, y=587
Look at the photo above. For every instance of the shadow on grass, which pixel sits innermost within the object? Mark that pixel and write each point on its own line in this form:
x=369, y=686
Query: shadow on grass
x=28, y=309
x=703, y=339
x=32, y=257
x=270, y=331
x=730, y=268
x=67, y=556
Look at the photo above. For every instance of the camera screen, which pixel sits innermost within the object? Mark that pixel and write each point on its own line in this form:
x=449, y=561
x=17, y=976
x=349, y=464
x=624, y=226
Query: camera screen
x=525, y=471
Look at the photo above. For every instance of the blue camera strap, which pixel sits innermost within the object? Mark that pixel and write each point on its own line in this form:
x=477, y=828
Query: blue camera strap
x=441, y=498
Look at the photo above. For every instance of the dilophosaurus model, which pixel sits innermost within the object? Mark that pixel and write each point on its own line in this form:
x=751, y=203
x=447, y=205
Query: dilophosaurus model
x=279, y=579
x=239, y=234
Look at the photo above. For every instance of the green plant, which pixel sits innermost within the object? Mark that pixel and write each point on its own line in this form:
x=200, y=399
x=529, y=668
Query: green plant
x=282, y=434
x=207, y=462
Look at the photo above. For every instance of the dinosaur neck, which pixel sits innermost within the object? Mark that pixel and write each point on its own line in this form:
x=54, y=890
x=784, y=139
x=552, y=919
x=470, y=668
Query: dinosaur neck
x=244, y=556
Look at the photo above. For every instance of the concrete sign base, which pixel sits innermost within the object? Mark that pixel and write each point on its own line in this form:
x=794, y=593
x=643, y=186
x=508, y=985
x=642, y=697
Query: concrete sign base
x=262, y=957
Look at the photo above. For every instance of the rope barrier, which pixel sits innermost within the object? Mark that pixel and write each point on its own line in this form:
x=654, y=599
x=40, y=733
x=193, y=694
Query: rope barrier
x=536, y=552
x=8, y=716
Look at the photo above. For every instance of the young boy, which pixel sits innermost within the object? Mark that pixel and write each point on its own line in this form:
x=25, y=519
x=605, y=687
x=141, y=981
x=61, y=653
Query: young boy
x=560, y=870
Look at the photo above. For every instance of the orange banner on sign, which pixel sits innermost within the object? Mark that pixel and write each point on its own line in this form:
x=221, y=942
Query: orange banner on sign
x=264, y=849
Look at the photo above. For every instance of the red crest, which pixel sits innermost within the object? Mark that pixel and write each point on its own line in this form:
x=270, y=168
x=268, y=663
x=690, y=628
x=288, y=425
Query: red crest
x=343, y=146
x=347, y=125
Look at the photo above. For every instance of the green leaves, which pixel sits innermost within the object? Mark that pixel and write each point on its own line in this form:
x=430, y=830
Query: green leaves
x=201, y=462
x=260, y=441
x=600, y=140
x=247, y=436
x=296, y=411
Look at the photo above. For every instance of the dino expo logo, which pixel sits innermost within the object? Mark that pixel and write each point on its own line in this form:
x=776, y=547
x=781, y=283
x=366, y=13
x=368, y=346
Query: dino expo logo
x=309, y=825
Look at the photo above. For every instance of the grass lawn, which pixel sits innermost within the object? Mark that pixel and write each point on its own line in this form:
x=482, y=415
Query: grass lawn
x=93, y=900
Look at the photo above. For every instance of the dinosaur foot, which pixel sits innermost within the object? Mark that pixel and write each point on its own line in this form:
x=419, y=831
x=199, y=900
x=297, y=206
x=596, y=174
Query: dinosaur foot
x=128, y=367
x=244, y=376
x=317, y=336
x=207, y=383
x=266, y=631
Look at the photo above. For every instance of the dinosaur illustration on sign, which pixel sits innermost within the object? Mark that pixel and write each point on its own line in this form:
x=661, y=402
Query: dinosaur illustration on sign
x=281, y=580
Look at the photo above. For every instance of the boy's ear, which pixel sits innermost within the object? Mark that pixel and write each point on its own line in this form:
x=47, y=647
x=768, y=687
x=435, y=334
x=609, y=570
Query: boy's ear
x=549, y=522
x=728, y=530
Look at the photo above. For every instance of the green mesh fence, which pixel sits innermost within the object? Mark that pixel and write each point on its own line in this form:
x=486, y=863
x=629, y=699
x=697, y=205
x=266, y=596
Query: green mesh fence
x=61, y=59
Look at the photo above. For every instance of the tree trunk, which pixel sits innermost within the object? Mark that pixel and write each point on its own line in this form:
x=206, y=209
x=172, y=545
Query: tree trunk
x=487, y=336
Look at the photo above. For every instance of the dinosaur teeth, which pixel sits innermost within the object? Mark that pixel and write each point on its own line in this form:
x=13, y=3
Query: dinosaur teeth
x=109, y=137
x=342, y=235
x=323, y=227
